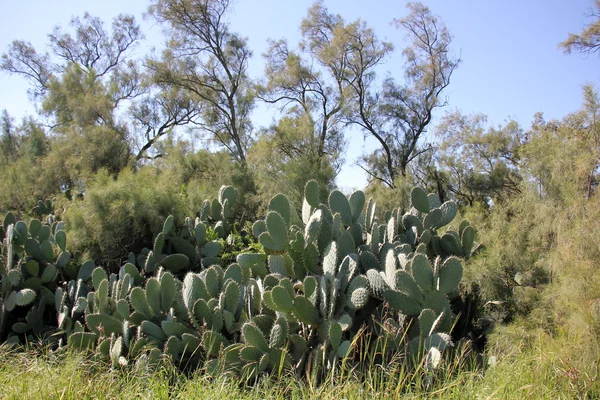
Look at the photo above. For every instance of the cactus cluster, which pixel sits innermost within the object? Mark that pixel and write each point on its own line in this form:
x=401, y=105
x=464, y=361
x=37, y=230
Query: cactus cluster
x=298, y=303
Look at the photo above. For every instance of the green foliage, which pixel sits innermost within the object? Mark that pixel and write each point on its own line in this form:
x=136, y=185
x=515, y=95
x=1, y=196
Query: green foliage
x=296, y=300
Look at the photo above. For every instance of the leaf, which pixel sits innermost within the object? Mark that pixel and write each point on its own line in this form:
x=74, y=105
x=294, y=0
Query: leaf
x=168, y=225
x=402, y=302
x=450, y=275
x=305, y=311
x=281, y=205
x=253, y=336
x=339, y=203
x=311, y=193
x=60, y=238
x=25, y=297
x=419, y=200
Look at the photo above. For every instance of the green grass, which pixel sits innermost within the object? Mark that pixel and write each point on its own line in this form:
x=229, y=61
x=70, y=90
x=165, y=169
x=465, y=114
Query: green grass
x=535, y=371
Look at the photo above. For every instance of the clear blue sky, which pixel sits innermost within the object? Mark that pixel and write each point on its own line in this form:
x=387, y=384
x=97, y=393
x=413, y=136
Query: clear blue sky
x=511, y=65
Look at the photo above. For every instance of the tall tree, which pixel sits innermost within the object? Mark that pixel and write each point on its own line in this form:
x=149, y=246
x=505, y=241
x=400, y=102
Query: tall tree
x=479, y=163
x=313, y=87
x=398, y=115
x=81, y=83
x=588, y=41
x=563, y=157
x=209, y=62
x=8, y=138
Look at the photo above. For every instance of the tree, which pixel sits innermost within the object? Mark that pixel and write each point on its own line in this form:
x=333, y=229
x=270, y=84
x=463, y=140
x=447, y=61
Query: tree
x=81, y=84
x=563, y=157
x=479, y=163
x=313, y=87
x=8, y=138
x=588, y=41
x=398, y=115
x=157, y=114
x=100, y=54
x=208, y=62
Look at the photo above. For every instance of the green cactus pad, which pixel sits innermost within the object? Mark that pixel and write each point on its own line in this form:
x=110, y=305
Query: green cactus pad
x=358, y=298
x=123, y=308
x=370, y=214
x=10, y=302
x=467, y=238
x=344, y=349
x=390, y=263
x=432, y=219
x=330, y=261
x=63, y=259
x=215, y=210
x=368, y=260
x=82, y=340
x=376, y=283
x=185, y=247
x=335, y=336
x=140, y=302
x=60, y=238
x=277, y=265
x=24, y=297
x=174, y=328
x=434, y=201
x=311, y=231
x=450, y=245
x=426, y=322
x=449, y=210
x=409, y=220
x=450, y=275
x=32, y=267
x=46, y=251
x=310, y=286
x=190, y=342
x=44, y=233
x=168, y=225
x=305, y=311
x=276, y=237
x=227, y=193
x=259, y=227
x=422, y=272
x=234, y=272
x=339, y=203
x=419, y=200
x=311, y=193
x=357, y=203
x=191, y=290
x=251, y=354
x=211, y=280
x=402, y=302
x=153, y=294
x=278, y=333
x=212, y=342
x=281, y=297
x=168, y=291
x=175, y=262
x=438, y=302
x=103, y=324
x=281, y=205
x=254, y=337
x=299, y=346
x=48, y=274
x=232, y=296
x=405, y=283
x=34, y=227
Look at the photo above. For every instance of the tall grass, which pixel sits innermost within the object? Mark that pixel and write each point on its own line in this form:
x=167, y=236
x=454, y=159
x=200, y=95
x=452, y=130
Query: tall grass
x=536, y=370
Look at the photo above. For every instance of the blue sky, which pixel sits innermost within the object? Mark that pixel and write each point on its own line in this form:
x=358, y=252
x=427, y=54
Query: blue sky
x=511, y=68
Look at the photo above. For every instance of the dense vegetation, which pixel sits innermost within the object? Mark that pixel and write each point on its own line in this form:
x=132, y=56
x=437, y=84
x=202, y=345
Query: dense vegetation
x=112, y=259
